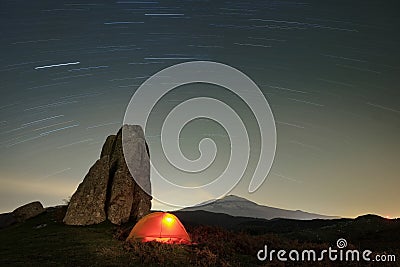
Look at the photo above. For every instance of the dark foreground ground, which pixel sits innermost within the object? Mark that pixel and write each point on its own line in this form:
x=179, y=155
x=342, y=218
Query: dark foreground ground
x=221, y=240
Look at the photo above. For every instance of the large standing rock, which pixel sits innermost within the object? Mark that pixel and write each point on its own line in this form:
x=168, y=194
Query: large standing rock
x=127, y=199
x=107, y=148
x=28, y=211
x=139, y=165
x=137, y=155
x=121, y=199
x=87, y=205
x=142, y=202
x=109, y=190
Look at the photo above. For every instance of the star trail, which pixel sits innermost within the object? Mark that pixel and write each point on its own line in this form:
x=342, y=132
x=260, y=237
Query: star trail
x=330, y=71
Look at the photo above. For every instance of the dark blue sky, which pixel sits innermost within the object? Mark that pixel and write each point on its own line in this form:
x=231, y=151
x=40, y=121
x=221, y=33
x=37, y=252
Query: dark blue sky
x=329, y=69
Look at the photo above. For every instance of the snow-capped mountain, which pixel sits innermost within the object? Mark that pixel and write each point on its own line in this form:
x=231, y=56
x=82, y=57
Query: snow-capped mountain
x=238, y=206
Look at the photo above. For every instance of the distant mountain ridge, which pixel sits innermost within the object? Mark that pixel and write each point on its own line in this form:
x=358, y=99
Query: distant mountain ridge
x=239, y=206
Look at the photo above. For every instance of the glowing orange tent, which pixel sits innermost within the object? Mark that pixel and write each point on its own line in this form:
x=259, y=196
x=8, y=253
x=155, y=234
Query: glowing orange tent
x=161, y=227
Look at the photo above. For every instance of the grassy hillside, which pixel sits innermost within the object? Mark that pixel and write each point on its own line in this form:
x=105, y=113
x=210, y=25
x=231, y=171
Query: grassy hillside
x=46, y=241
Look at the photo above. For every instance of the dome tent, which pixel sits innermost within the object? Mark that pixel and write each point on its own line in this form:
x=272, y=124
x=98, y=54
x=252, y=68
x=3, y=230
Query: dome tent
x=161, y=227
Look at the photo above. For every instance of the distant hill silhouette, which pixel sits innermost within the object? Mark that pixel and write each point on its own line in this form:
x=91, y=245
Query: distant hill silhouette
x=238, y=206
x=369, y=231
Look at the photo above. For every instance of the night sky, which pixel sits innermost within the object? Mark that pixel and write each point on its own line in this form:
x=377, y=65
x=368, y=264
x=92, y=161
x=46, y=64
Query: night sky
x=329, y=69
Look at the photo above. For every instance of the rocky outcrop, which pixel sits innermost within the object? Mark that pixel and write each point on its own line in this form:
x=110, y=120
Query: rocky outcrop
x=28, y=211
x=127, y=199
x=87, y=204
x=21, y=214
x=109, y=191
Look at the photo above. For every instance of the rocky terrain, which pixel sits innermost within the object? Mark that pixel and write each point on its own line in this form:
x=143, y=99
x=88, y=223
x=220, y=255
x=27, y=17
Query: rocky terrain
x=21, y=214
